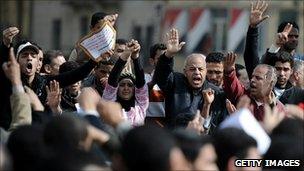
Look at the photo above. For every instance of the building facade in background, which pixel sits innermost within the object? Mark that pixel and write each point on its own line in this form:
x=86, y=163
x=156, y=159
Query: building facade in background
x=205, y=25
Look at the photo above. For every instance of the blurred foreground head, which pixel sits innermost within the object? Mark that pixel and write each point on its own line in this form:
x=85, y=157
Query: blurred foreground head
x=152, y=148
x=198, y=150
x=231, y=144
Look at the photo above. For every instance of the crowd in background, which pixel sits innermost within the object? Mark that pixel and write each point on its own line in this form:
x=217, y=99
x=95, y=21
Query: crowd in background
x=72, y=113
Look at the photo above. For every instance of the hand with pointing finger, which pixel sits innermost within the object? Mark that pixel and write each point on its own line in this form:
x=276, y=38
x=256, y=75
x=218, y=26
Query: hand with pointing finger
x=12, y=69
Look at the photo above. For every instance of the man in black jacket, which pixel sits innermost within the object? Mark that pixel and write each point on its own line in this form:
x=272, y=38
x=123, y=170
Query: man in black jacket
x=284, y=90
x=282, y=61
x=27, y=57
x=183, y=92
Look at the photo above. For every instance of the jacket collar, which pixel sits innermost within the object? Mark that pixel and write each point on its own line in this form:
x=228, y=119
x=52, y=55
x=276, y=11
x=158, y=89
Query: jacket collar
x=288, y=86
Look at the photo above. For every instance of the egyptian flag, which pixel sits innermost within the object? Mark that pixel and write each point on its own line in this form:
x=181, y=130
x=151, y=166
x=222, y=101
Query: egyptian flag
x=239, y=20
x=198, y=39
x=176, y=18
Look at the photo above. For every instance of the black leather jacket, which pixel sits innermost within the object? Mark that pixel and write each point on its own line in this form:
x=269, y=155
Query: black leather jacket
x=292, y=95
x=38, y=85
x=181, y=98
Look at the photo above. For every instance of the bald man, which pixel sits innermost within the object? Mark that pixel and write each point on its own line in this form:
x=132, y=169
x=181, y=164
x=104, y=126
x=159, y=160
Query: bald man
x=183, y=91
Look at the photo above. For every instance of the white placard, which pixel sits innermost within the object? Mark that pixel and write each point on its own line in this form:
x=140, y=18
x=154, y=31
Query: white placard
x=244, y=119
x=98, y=42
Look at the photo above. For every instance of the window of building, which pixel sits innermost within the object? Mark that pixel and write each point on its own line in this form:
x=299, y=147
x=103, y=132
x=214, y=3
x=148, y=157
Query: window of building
x=84, y=24
x=56, y=34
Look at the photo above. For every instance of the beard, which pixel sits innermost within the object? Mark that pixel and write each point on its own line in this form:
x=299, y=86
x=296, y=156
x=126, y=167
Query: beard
x=290, y=46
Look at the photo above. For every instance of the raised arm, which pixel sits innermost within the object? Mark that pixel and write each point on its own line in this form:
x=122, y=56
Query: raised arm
x=118, y=67
x=232, y=86
x=5, y=90
x=208, y=95
x=20, y=103
x=8, y=35
x=139, y=71
x=251, y=56
x=280, y=40
x=71, y=77
x=164, y=66
x=110, y=91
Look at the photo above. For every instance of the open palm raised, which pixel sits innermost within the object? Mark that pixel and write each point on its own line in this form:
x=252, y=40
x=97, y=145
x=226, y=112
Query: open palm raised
x=256, y=13
x=172, y=42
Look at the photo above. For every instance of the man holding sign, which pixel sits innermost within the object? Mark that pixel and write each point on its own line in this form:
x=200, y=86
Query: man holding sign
x=97, y=20
x=99, y=41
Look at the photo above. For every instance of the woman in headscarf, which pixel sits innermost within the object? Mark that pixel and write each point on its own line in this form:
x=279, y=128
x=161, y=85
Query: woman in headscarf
x=129, y=90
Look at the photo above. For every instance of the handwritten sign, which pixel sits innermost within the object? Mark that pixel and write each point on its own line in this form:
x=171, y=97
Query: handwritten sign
x=98, y=42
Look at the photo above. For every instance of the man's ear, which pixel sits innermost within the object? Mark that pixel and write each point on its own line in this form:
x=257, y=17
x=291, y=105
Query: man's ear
x=184, y=69
x=47, y=68
x=272, y=84
x=296, y=76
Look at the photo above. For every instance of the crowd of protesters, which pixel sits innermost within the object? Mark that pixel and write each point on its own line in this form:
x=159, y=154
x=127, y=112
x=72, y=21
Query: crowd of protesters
x=73, y=113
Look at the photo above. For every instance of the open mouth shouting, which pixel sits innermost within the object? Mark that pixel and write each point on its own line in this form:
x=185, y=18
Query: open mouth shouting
x=197, y=81
x=28, y=69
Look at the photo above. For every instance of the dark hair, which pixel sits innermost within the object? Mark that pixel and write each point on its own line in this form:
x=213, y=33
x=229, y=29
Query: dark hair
x=215, y=57
x=155, y=48
x=68, y=66
x=65, y=132
x=26, y=147
x=111, y=62
x=147, y=148
x=284, y=147
x=231, y=142
x=51, y=54
x=182, y=120
x=238, y=67
x=127, y=75
x=96, y=17
x=121, y=41
x=36, y=45
x=72, y=161
x=290, y=127
x=284, y=23
x=283, y=56
x=190, y=143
